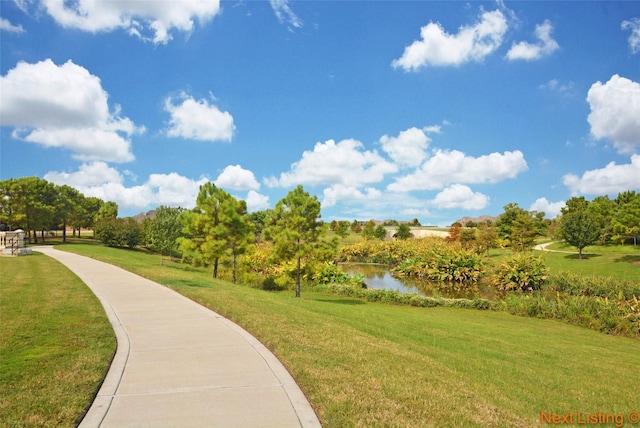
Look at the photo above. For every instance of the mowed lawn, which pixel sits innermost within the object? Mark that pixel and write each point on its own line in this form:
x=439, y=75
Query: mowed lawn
x=56, y=344
x=616, y=261
x=369, y=364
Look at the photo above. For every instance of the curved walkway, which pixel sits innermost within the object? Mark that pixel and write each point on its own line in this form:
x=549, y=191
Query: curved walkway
x=178, y=364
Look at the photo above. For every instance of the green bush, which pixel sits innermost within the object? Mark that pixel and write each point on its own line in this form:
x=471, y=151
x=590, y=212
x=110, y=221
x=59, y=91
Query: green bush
x=522, y=272
x=119, y=232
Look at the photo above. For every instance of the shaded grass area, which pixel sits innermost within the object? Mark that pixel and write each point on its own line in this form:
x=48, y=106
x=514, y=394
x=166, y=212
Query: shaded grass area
x=56, y=343
x=367, y=364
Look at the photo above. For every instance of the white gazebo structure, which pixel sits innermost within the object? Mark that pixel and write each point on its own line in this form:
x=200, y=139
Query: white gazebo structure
x=12, y=243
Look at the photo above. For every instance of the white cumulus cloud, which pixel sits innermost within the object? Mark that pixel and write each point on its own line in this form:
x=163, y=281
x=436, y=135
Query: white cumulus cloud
x=173, y=189
x=235, y=177
x=340, y=192
x=331, y=163
x=6, y=25
x=439, y=48
x=148, y=20
x=449, y=167
x=107, y=183
x=198, y=120
x=615, y=112
x=64, y=106
x=256, y=201
x=633, y=25
x=460, y=196
x=88, y=175
x=545, y=46
x=550, y=209
x=408, y=149
x=610, y=180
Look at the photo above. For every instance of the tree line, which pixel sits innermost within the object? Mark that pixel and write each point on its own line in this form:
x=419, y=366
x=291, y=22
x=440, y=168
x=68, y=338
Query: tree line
x=37, y=206
x=582, y=222
x=219, y=227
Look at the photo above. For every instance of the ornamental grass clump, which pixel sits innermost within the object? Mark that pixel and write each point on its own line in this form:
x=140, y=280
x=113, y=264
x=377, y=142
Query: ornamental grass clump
x=593, y=285
x=522, y=272
x=409, y=299
x=444, y=264
x=600, y=314
x=332, y=274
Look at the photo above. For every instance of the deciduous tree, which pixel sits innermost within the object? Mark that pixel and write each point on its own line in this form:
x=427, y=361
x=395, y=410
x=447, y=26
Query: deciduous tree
x=369, y=230
x=380, y=232
x=68, y=207
x=163, y=230
x=403, y=232
x=487, y=237
x=523, y=233
x=579, y=228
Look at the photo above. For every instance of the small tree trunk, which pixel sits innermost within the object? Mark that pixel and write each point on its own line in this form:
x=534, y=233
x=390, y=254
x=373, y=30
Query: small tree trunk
x=298, y=279
x=233, y=275
x=64, y=231
x=215, y=268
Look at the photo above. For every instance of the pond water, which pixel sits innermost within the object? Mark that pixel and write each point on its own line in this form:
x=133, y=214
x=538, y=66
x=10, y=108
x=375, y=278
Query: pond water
x=379, y=277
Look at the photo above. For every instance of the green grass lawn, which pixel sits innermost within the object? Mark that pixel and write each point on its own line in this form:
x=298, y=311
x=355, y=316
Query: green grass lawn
x=622, y=262
x=56, y=343
x=369, y=364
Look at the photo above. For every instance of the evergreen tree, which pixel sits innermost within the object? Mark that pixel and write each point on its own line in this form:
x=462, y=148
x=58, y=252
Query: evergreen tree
x=294, y=228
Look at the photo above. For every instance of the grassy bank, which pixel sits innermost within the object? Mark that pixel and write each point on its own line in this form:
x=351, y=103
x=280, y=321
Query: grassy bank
x=373, y=364
x=56, y=343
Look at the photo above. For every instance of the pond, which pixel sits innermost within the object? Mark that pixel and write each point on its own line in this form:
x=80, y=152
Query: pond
x=379, y=277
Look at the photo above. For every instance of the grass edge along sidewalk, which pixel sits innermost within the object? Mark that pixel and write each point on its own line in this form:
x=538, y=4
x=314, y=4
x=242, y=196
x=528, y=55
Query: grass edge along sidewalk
x=56, y=343
x=374, y=364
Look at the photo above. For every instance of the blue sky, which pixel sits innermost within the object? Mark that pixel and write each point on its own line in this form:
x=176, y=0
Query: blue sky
x=382, y=109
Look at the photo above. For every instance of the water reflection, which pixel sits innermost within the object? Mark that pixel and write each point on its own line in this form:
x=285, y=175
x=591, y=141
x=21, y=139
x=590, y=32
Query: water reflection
x=379, y=277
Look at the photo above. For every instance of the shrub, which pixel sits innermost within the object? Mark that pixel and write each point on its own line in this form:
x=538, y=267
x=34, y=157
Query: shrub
x=119, y=232
x=522, y=272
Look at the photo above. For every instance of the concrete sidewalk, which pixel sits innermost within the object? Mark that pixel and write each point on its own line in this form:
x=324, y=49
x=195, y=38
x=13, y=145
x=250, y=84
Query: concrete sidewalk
x=178, y=364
